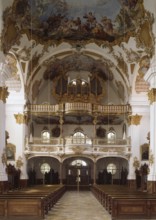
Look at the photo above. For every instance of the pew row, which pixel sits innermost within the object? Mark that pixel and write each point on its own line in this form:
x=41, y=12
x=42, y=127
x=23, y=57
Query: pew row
x=30, y=203
x=125, y=203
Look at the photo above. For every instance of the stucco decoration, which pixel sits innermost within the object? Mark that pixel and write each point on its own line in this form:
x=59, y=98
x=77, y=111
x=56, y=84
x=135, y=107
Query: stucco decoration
x=3, y=94
x=21, y=118
x=134, y=119
x=152, y=95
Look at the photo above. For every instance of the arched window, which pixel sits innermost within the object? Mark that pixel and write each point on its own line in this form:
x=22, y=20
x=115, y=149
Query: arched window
x=80, y=138
x=111, y=136
x=111, y=168
x=45, y=168
x=79, y=163
x=45, y=135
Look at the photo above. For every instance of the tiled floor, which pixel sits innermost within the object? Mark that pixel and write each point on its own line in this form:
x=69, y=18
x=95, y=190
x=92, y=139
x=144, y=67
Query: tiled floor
x=78, y=206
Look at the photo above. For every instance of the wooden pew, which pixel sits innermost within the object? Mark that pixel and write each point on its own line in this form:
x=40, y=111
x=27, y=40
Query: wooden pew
x=30, y=202
x=125, y=203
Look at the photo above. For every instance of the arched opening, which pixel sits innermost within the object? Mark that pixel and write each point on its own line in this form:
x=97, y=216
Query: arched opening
x=78, y=172
x=112, y=170
x=43, y=170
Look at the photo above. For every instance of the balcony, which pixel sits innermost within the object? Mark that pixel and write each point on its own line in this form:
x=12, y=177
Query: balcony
x=78, y=107
x=78, y=146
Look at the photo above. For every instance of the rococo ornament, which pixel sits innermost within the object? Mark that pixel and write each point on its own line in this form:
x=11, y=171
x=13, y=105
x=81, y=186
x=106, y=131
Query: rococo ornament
x=134, y=119
x=3, y=93
x=21, y=118
x=152, y=95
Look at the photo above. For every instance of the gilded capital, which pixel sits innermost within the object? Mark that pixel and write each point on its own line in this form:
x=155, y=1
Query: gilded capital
x=3, y=93
x=134, y=119
x=152, y=95
x=21, y=118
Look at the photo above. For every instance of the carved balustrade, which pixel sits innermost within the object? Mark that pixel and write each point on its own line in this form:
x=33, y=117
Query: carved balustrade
x=81, y=107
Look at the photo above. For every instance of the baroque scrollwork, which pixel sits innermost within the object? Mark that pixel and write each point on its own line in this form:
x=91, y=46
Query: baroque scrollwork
x=21, y=118
x=134, y=119
x=152, y=95
x=4, y=93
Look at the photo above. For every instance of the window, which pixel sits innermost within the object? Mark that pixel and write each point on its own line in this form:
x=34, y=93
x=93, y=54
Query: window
x=78, y=163
x=45, y=136
x=78, y=138
x=111, y=136
x=111, y=168
x=45, y=167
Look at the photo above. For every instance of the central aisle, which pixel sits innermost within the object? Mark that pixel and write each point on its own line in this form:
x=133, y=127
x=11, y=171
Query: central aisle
x=78, y=206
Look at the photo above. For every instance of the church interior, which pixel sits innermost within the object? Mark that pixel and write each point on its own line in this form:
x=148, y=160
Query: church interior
x=78, y=105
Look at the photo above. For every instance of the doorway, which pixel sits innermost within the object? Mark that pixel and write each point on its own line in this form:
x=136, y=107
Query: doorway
x=78, y=173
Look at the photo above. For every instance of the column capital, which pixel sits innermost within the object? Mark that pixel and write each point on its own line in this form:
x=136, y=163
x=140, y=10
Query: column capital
x=21, y=118
x=134, y=119
x=3, y=93
x=152, y=95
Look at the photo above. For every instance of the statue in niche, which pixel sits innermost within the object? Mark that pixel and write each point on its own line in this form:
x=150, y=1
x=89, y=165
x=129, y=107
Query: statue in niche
x=101, y=132
x=56, y=132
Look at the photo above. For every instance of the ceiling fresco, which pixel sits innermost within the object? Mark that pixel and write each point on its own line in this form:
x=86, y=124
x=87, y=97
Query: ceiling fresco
x=72, y=20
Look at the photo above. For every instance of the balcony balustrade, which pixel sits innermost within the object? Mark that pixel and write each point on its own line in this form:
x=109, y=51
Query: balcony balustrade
x=72, y=145
x=79, y=107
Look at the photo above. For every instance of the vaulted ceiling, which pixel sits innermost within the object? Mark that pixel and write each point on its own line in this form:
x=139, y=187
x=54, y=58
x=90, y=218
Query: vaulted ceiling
x=43, y=39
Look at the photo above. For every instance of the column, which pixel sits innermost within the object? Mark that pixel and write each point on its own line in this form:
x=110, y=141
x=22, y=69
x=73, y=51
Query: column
x=60, y=172
x=152, y=153
x=151, y=78
x=61, y=125
x=3, y=176
x=94, y=173
x=134, y=134
x=21, y=127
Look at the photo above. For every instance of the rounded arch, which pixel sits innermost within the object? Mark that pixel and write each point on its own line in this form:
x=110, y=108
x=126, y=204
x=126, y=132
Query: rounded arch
x=77, y=156
x=112, y=170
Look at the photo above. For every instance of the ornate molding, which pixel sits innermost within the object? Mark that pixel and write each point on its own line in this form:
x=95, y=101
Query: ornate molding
x=21, y=118
x=134, y=119
x=152, y=95
x=3, y=93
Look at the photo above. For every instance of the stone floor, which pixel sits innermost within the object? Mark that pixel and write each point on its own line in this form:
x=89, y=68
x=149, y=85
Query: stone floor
x=78, y=206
